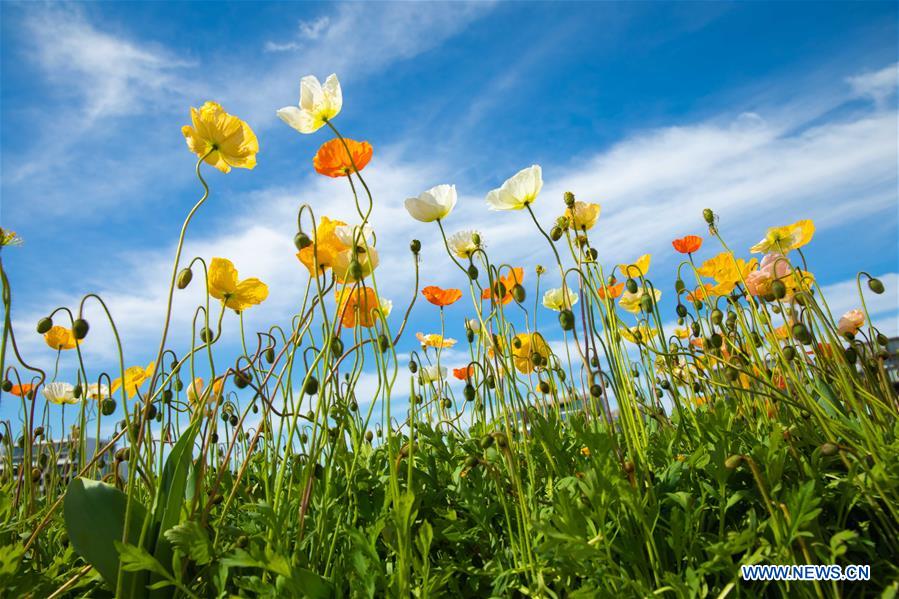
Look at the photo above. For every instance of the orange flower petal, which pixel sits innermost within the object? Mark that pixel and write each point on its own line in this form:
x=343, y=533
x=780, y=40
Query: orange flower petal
x=332, y=159
x=441, y=297
x=688, y=244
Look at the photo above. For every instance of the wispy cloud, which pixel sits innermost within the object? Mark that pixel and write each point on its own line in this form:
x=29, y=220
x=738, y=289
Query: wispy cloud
x=878, y=85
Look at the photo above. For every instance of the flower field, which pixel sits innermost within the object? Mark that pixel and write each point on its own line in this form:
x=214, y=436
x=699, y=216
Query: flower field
x=590, y=444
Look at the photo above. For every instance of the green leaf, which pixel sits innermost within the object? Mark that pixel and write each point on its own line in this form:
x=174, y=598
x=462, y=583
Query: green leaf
x=94, y=514
x=135, y=559
x=170, y=494
x=192, y=541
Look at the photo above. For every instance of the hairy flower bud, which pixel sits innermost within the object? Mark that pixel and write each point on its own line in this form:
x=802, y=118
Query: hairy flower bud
x=80, y=328
x=301, y=240
x=44, y=325
x=875, y=285
x=569, y=199
x=415, y=246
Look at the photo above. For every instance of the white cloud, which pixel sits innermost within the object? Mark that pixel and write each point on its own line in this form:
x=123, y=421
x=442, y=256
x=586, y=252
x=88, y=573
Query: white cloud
x=877, y=85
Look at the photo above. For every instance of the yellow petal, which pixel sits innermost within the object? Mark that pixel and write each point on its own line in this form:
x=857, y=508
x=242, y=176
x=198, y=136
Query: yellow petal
x=250, y=292
x=222, y=278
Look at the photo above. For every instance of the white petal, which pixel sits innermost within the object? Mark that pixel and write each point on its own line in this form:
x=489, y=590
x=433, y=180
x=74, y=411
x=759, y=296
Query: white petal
x=300, y=120
x=333, y=94
x=311, y=93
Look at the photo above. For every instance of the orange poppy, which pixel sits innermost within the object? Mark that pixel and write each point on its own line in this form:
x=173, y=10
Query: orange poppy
x=332, y=159
x=688, y=244
x=613, y=291
x=700, y=293
x=358, y=306
x=441, y=297
x=508, y=281
x=463, y=373
x=21, y=390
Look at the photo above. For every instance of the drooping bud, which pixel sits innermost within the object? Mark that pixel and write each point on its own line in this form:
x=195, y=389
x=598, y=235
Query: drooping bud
x=875, y=285
x=631, y=285
x=679, y=286
x=44, y=325
x=566, y=320
x=301, y=240
x=779, y=289
x=733, y=461
x=518, y=293
x=829, y=449
x=185, y=277
x=80, y=328
x=555, y=233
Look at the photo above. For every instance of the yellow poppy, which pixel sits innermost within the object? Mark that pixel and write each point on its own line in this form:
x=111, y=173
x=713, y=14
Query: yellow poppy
x=434, y=340
x=582, y=216
x=326, y=245
x=682, y=333
x=784, y=239
x=237, y=295
x=223, y=138
x=724, y=268
x=59, y=337
x=637, y=269
x=134, y=378
x=638, y=334
x=632, y=301
x=531, y=344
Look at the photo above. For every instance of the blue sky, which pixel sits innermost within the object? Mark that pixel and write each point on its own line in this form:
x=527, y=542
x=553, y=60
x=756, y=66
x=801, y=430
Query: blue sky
x=765, y=112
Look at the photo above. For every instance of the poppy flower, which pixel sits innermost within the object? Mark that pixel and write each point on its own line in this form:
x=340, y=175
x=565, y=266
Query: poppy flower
x=21, y=390
x=559, y=299
x=134, y=378
x=326, y=245
x=851, y=322
x=434, y=340
x=332, y=159
x=234, y=293
x=582, y=216
x=318, y=104
x=433, y=204
x=9, y=238
x=638, y=334
x=441, y=297
x=612, y=291
x=530, y=344
x=637, y=269
x=514, y=277
x=60, y=393
x=517, y=191
x=688, y=244
x=463, y=373
x=727, y=271
x=59, y=337
x=632, y=302
x=463, y=244
x=432, y=374
x=700, y=294
x=784, y=239
x=360, y=306
x=224, y=139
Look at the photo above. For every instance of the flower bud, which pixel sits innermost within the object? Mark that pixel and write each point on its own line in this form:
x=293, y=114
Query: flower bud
x=311, y=386
x=716, y=316
x=789, y=353
x=301, y=240
x=555, y=233
x=7, y=385
x=44, y=325
x=875, y=285
x=415, y=246
x=851, y=355
x=383, y=342
x=829, y=449
x=206, y=335
x=882, y=339
x=778, y=289
x=270, y=355
x=518, y=293
x=539, y=269
x=468, y=392
x=185, y=277
x=709, y=216
x=631, y=285
x=733, y=461
x=369, y=436
x=646, y=303
x=336, y=346
x=800, y=332
x=679, y=286
x=108, y=406
x=476, y=239
x=80, y=328
x=413, y=366
x=472, y=272
x=566, y=320
x=681, y=311
x=569, y=199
